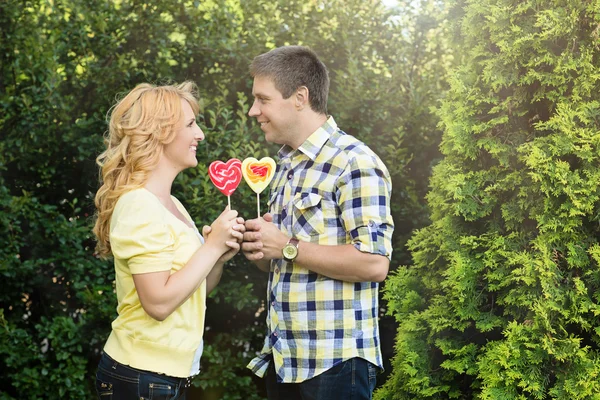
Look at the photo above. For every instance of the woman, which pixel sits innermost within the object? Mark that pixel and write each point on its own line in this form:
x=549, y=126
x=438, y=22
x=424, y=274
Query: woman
x=164, y=268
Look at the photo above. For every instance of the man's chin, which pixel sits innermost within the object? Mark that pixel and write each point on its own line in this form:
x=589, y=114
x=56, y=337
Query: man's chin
x=268, y=138
x=273, y=139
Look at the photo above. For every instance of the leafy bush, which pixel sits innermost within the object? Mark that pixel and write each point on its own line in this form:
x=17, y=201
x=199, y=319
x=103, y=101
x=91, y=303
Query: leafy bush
x=502, y=301
x=63, y=62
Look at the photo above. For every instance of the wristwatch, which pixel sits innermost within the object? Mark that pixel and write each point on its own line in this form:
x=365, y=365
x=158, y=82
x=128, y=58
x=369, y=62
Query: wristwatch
x=290, y=250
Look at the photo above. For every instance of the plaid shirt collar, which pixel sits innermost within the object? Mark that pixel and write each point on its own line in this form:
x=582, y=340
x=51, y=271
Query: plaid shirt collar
x=313, y=145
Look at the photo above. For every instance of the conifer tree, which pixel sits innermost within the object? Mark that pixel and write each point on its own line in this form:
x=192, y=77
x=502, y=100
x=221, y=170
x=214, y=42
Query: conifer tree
x=502, y=299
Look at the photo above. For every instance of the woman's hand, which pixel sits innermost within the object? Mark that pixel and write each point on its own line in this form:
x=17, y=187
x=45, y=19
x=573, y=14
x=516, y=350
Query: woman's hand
x=233, y=247
x=222, y=234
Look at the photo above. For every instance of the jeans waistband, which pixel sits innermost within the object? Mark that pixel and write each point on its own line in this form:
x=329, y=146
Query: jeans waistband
x=108, y=363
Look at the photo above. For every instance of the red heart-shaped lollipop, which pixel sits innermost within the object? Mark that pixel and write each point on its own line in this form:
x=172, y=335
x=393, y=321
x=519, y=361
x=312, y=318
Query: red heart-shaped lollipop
x=226, y=176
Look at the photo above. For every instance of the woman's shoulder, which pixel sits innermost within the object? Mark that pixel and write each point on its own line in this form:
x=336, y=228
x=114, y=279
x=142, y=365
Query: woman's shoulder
x=137, y=203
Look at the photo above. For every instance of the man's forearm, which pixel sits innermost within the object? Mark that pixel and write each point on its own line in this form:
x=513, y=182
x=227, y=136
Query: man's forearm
x=343, y=262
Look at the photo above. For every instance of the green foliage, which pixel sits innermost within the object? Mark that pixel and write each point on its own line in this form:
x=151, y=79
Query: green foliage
x=63, y=63
x=51, y=300
x=502, y=301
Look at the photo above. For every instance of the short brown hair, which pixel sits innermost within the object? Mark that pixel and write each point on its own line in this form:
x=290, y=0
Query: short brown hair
x=291, y=67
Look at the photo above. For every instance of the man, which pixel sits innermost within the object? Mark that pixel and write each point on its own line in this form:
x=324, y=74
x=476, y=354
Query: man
x=325, y=243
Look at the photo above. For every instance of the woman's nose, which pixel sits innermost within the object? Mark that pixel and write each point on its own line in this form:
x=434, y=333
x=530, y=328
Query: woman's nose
x=200, y=135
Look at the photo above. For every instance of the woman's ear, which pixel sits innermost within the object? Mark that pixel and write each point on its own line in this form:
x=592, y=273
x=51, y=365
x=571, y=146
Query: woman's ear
x=302, y=99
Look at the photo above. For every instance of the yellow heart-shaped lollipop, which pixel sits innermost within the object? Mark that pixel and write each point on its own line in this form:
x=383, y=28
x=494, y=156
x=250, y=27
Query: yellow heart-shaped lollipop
x=258, y=174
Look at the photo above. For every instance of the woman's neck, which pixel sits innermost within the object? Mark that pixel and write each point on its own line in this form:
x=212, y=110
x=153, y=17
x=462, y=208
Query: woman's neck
x=160, y=182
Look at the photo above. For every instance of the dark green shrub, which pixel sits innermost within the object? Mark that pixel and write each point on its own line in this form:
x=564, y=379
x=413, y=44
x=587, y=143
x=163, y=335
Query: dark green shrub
x=63, y=62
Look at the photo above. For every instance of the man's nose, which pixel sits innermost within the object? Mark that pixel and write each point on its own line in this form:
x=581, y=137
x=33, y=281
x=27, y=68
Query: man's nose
x=254, y=111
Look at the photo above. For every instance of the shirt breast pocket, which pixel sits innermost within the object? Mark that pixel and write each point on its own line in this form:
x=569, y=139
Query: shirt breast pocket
x=307, y=214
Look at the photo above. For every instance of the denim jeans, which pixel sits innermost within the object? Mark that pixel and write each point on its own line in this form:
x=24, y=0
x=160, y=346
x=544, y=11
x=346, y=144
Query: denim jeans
x=115, y=381
x=352, y=379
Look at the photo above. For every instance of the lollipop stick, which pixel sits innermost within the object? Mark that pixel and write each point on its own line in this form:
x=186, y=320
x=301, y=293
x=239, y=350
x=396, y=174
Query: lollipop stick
x=229, y=202
x=258, y=204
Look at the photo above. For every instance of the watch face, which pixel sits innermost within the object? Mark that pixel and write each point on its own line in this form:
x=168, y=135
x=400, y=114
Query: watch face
x=290, y=252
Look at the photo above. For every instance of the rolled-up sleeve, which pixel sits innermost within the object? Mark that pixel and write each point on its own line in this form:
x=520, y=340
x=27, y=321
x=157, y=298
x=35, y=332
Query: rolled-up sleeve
x=364, y=191
x=142, y=239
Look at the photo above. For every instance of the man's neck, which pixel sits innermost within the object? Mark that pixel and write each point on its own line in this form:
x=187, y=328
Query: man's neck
x=307, y=125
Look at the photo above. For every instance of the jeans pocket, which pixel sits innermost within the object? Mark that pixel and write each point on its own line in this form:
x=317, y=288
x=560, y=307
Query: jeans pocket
x=161, y=392
x=104, y=389
x=153, y=387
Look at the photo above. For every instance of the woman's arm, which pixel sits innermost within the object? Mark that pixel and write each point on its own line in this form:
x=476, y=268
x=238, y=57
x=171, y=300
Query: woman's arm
x=161, y=292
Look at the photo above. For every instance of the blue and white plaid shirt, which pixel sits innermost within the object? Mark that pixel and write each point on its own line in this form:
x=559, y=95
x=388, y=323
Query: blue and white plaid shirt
x=333, y=190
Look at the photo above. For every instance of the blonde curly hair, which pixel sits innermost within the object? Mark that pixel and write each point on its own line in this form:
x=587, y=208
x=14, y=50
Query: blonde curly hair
x=141, y=123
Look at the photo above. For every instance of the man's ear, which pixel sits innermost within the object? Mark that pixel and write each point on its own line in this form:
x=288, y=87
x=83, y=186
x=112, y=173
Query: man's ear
x=301, y=98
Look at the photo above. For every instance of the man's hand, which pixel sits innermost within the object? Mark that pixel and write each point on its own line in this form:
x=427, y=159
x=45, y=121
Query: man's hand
x=262, y=239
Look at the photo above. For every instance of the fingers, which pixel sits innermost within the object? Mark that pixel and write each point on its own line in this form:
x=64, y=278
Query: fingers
x=252, y=246
x=228, y=214
x=252, y=225
x=238, y=231
x=252, y=236
x=228, y=255
x=268, y=217
x=240, y=227
x=234, y=231
x=231, y=215
x=233, y=245
x=239, y=236
x=254, y=256
x=225, y=211
x=226, y=220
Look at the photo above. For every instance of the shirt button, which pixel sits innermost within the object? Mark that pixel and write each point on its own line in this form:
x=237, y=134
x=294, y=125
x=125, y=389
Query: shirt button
x=274, y=333
x=273, y=303
x=371, y=223
x=276, y=270
x=291, y=175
